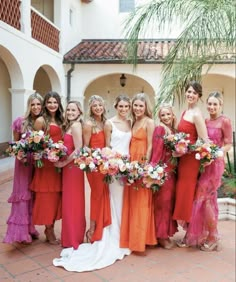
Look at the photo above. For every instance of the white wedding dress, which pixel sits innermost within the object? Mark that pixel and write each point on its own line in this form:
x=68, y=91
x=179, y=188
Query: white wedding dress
x=106, y=251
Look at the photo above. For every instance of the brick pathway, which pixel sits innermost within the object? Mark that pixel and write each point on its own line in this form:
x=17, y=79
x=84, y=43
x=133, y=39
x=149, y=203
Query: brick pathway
x=34, y=262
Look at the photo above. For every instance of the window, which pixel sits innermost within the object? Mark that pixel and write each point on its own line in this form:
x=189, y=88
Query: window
x=127, y=6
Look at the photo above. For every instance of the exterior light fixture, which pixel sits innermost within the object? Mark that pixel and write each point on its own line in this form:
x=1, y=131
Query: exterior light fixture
x=123, y=80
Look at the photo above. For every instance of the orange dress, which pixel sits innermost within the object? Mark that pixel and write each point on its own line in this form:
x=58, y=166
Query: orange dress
x=137, y=223
x=100, y=211
x=47, y=186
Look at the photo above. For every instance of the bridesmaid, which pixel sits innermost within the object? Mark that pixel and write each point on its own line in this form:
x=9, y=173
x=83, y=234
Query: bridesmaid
x=73, y=199
x=192, y=123
x=46, y=182
x=164, y=199
x=93, y=134
x=20, y=228
x=137, y=223
x=202, y=230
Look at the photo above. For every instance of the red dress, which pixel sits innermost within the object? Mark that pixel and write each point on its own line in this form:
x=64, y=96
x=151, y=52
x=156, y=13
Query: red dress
x=46, y=184
x=73, y=201
x=188, y=169
x=137, y=223
x=100, y=211
x=164, y=199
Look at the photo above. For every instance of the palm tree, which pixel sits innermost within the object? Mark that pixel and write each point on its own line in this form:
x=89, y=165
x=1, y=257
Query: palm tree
x=208, y=36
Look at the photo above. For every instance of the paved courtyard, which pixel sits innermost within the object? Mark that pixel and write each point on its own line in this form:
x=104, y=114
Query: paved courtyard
x=34, y=262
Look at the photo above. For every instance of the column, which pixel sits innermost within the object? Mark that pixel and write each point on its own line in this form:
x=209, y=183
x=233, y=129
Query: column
x=26, y=17
x=19, y=99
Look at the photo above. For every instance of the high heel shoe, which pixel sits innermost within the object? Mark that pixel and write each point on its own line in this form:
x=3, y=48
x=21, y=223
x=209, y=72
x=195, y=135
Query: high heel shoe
x=206, y=247
x=50, y=236
x=166, y=243
x=182, y=244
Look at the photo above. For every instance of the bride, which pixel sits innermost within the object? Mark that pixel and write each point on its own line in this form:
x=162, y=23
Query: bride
x=106, y=251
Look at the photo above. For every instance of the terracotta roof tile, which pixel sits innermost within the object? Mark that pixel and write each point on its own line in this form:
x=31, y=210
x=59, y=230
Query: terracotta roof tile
x=114, y=51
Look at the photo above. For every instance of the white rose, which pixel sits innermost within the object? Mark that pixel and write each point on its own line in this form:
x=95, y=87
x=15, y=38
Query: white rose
x=91, y=166
x=82, y=166
x=197, y=156
x=40, y=133
x=23, y=135
x=160, y=169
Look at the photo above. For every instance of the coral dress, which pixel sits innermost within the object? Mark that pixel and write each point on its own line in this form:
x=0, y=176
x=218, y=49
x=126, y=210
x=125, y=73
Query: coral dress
x=20, y=227
x=203, y=224
x=73, y=201
x=164, y=199
x=188, y=169
x=137, y=223
x=47, y=186
x=100, y=211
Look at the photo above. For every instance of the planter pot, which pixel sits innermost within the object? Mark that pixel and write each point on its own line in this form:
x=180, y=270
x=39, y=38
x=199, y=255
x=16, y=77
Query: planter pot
x=227, y=208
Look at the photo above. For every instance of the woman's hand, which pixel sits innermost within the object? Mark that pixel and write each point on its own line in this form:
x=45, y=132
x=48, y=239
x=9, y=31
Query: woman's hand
x=37, y=156
x=60, y=164
x=177, y=155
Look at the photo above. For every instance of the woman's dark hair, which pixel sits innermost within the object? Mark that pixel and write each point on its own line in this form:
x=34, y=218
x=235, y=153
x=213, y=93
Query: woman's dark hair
x=196, y=86
x=59, y=113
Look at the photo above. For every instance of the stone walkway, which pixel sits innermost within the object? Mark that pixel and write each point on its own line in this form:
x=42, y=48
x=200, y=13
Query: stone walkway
x=34, y=262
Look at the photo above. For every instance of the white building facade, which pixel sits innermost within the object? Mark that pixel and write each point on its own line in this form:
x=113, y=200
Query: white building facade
x=35, y=35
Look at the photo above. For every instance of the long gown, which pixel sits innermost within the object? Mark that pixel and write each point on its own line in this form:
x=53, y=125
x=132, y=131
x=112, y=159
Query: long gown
x=73, y=201
x=100, y=211
x=203, y=224
x=20, y=226
x=106, y=251
x=164, y=199
x=188, y=170
x=47, y=186
x=137, y=224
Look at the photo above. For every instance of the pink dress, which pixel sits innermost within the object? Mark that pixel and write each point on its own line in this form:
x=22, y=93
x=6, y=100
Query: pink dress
x=20, y=227
x=73, y=202
x=164, y=199
x=203, y=224
x=188, y=170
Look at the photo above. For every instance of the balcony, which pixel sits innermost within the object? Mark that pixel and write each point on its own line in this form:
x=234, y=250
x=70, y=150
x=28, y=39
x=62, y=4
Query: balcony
x=41, y=28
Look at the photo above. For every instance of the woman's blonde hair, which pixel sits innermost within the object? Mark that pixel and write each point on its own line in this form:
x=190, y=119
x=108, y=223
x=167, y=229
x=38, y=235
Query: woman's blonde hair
x=67, y=123
x=92, y=99
x=144, y=98
x=28, y=120
x=216, y=95
x=171, y=109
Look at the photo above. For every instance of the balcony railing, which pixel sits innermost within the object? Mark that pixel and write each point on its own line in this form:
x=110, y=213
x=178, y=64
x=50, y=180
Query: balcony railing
x=10, y=12
x=44, y=31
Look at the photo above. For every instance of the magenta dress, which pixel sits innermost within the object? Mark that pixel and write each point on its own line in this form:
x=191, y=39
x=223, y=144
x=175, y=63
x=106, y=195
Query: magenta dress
x=164, y=199
x=187, y=174
x=20, y=227
x=203, y=224
x=73, y=202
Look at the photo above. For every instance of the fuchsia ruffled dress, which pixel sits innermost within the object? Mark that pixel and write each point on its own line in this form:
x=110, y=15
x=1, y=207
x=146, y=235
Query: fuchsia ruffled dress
x=20, y=227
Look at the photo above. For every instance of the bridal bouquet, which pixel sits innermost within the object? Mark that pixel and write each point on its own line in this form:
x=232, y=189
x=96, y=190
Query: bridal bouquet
x=206, y=153
x=88, y=159
x=154, y=176
x=113, y=165
x=135, y=171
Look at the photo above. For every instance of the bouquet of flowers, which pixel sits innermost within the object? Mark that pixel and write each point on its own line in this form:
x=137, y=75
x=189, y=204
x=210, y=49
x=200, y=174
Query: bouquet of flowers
x=135, y=171
x=206, y=153
x=56, y=151
x=154, y=176
x=38, y=142
x=19, y=148
x=113, y=165
x=178, y=143
x=88, y=159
